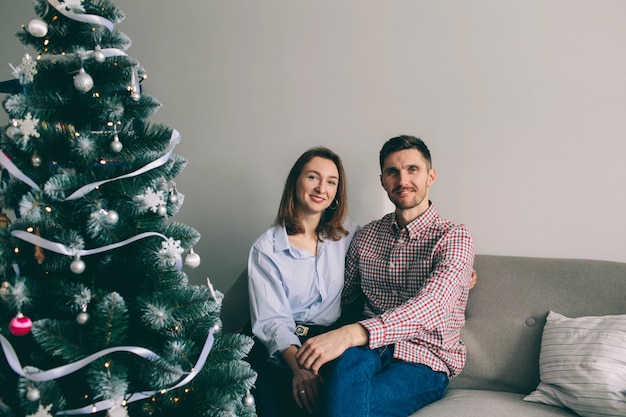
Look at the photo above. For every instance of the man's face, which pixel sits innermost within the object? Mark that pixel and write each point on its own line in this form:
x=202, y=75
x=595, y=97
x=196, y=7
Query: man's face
x=406, y=177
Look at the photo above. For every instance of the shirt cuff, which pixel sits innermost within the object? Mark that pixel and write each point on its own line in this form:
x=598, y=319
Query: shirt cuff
x=376, y=329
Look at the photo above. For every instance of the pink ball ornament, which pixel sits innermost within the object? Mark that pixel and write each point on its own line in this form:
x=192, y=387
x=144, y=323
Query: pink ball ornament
x=20, y=325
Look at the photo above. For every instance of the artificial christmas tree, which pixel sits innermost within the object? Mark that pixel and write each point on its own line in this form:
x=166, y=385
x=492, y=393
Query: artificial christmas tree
x=96, y=313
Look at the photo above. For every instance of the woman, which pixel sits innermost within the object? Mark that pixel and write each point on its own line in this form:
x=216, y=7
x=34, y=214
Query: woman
x=295, y=279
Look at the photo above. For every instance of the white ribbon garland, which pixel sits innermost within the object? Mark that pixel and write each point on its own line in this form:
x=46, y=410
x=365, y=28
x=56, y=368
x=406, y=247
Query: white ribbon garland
x=108, y=52
x=15, y=171
x=175, y=138
x=85, y=18
x=66, y=250
x=81, y=192
x=64, y=370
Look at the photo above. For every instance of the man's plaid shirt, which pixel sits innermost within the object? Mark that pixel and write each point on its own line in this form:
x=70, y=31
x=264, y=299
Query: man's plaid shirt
x=416, y=283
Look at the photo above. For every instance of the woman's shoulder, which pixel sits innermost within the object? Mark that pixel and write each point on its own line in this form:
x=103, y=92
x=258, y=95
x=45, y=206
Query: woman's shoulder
x=269, y=237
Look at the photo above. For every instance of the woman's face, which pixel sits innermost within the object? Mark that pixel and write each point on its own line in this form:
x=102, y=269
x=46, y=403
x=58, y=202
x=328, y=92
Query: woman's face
x=317, y=185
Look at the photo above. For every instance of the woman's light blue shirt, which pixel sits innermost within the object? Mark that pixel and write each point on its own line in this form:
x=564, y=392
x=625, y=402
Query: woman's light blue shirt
x=288, y=285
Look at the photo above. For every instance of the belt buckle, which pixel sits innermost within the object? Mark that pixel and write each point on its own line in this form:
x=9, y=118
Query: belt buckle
x=301, y=330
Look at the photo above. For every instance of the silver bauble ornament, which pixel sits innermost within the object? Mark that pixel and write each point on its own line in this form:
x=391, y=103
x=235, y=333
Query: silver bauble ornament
x=162, y=210
x=13, y=132
x=248, y=400
x=98, y=55
x=82, y=317
x=33, y=394
x=83, y=81
x=36, y=161
x=112, y=217
x=173, y=197
x=77, y=266
x=192, y=259
x=116, y=145
x=38, y=28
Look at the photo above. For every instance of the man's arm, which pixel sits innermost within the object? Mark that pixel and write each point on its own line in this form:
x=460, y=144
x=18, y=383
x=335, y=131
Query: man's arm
x=322, y=349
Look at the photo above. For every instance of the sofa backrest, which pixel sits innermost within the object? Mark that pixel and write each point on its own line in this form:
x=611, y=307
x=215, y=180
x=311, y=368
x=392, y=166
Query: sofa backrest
x=508, y=306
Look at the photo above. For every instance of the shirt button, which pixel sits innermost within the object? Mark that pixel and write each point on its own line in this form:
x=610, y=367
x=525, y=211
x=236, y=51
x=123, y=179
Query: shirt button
x=391, y=264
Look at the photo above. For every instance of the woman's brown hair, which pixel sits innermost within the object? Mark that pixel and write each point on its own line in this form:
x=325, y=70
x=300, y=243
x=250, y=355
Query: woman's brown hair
x=331, y=223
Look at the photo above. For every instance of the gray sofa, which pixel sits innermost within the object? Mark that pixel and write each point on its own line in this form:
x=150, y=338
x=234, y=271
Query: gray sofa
x=506, y=313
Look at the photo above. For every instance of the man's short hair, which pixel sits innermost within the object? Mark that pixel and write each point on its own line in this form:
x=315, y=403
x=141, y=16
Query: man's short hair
x=402, y=142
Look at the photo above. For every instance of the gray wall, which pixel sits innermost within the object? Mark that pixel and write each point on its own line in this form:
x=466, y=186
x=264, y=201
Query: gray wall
x=523, y=104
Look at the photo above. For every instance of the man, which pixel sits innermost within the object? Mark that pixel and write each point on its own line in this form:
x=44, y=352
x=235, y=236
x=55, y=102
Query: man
x=413, y=271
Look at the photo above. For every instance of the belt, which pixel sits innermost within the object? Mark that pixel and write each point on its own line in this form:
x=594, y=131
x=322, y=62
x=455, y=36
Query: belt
x=303, y=330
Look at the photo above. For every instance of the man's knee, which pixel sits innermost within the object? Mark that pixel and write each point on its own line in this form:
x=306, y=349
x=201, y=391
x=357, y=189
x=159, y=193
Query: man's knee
x=360, y=359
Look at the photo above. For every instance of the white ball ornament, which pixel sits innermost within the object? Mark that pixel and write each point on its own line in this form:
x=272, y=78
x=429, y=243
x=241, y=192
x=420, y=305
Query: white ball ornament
x=38, y=28
x=162, y=210
x=98, y=55
x=248, y=400
x=13, y=132
x=116, y=145
x=112, y=217
x=192, y=259
x=82, y=317
x=77, y=266
x=33, y=394
x=83, y=81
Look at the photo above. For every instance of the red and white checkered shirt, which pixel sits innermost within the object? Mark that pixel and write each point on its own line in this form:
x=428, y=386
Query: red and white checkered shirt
x=416, y=283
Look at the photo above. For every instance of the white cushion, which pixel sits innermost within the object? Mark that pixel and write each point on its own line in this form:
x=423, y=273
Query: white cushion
x=582, y=365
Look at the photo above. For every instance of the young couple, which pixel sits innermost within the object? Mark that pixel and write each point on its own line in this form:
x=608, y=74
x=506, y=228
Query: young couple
x=408, y=274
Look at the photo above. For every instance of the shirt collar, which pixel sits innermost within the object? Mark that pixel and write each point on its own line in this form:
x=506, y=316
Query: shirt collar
x=418, y=225
x=281, y=243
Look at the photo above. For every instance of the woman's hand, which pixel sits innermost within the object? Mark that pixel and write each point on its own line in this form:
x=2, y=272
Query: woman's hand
x=306, y=388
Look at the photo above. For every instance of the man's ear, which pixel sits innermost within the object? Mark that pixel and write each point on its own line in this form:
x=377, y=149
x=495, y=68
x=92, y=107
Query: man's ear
x=432, y=176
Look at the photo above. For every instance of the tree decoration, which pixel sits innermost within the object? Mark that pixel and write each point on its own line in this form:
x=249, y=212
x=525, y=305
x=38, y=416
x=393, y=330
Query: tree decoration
x=20, y=325
x=83, y=81
x=27, y=129
x=13, y=131
x=36, y=160
x=116, y=145
x=98, y=55
x=38, y=28
x=5, y=221
x=33, y=394
x=192, y=259
x=26, y=71
x=78, y=265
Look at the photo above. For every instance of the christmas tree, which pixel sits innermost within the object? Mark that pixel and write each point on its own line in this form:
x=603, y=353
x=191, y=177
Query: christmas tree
x=96, y=313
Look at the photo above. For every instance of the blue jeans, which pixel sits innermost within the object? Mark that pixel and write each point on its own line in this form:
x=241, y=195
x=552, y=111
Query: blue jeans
x=366, y=382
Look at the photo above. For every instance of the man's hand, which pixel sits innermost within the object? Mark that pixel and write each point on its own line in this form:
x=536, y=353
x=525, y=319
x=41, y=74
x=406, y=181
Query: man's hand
x=322, y=349
x=473, y=281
